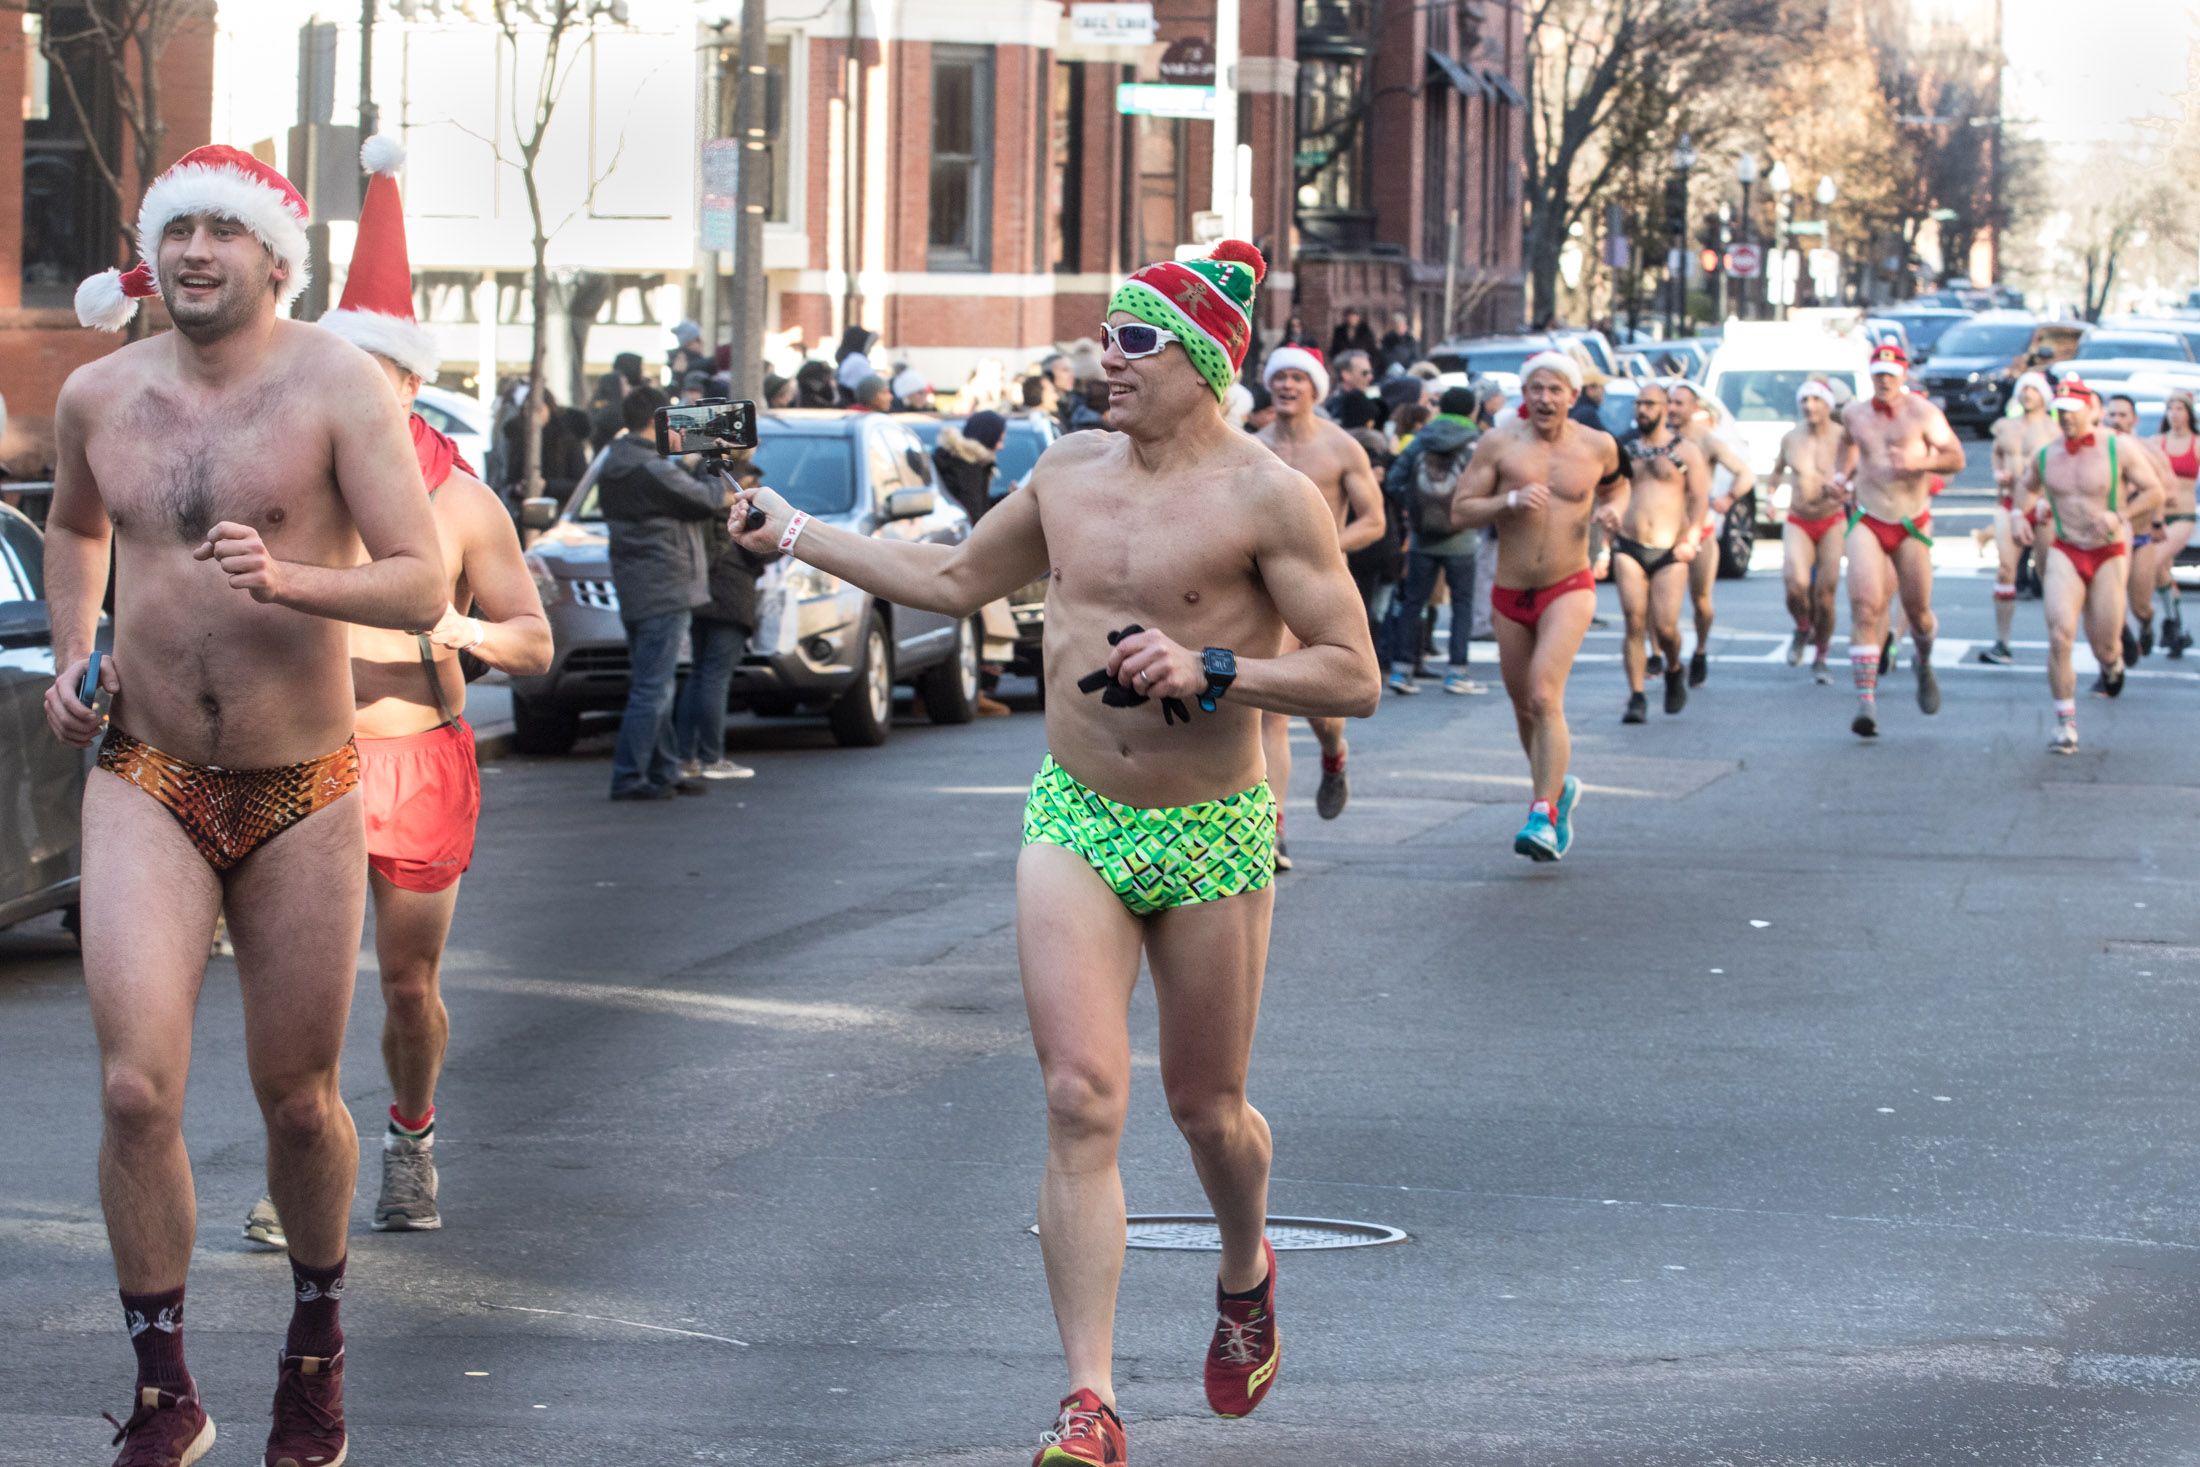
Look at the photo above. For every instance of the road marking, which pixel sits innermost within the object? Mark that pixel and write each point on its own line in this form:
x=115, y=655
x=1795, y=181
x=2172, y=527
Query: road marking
x=981, y=789
x=771, y=1012
x=1460, y=777
x=663, y=1329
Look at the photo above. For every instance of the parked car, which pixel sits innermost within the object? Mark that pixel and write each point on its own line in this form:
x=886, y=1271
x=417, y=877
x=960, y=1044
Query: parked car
x=41, y=842
x=1477, y=356
x=2145, y=366
x=1754, y=376
x=1923, y=326
x=838, y=650
x=1025, y=439
x=1976, y=364
x=462, y=419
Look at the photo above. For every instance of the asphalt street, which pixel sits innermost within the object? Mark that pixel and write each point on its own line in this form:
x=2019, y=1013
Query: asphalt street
x=1832, y=1103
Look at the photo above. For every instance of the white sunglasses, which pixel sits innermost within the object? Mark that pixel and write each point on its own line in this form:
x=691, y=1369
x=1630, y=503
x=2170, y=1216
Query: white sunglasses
x=1136, y=339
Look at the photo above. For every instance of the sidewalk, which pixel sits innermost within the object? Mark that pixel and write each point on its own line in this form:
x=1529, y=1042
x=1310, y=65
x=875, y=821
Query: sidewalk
x=489, y=710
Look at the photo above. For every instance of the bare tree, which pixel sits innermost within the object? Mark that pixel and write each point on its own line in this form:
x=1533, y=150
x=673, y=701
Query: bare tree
x=123, y=41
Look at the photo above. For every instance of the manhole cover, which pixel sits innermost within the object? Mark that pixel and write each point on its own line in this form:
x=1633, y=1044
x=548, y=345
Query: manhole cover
x=1196, y=1233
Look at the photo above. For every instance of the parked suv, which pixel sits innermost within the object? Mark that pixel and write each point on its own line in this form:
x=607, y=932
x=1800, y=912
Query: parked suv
x=1974, y=367
x=1026, y=438
x=835, y=650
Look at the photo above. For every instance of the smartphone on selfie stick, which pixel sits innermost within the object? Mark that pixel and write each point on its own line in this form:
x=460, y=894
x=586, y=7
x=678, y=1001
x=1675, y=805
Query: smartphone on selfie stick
x=725, y=425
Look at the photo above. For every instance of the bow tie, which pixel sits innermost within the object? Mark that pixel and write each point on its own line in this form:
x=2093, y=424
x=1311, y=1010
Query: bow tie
x=2072, y=445
x=1882, y=407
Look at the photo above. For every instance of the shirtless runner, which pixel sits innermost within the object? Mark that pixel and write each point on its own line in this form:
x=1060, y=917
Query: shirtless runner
x=1892, y=443
x=2016, y=439
x=1538, y=477
x=1811, y=539
x=1297, y=381
x=235, y=467
x=2096, y=485
x=1696, y=418
x=1149, y=826
x=2177, y=460
x=417, y=773
x=1659, y=535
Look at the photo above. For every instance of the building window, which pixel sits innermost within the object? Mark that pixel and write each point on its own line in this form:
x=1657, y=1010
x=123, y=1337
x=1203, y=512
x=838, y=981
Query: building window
x=962, y=130
x=779, y=160
x=1066, y=171
x=68, y=211
x=1330, y=118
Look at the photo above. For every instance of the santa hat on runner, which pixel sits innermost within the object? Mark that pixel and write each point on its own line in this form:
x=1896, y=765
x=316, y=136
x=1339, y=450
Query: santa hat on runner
x=1889, y=360
x=1300, y=359
x=1814, y=388
x=215, y=179
x=2038, y=382
x=1207, y=302
x=376, y=313
x=1552, y=361
x=2073, y=396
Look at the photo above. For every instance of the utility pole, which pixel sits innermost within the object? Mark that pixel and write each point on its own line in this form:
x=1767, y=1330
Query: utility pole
x=1223, y=194
x=369, y=114
x=747, y=365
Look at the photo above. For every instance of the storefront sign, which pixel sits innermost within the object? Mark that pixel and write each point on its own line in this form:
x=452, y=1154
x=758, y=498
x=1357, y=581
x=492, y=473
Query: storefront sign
x=1189, y=62
x=1151, y=99
x=1112, y=24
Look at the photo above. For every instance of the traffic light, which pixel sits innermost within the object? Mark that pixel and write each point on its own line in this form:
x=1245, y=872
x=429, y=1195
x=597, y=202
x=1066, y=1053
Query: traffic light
x=1676, y=205
x=1709, y=259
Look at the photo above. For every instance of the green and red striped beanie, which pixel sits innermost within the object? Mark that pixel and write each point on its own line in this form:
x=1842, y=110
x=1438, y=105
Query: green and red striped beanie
x=1207, y=302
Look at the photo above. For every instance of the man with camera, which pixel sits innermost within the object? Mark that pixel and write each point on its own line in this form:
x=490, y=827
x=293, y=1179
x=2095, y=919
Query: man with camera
x=653, y=510
x=1149, y=827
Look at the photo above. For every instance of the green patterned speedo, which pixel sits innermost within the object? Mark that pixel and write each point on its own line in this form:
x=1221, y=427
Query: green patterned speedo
x=1157, y=859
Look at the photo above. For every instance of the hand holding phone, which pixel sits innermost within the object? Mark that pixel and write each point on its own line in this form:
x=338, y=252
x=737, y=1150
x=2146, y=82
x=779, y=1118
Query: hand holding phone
x=87, y=691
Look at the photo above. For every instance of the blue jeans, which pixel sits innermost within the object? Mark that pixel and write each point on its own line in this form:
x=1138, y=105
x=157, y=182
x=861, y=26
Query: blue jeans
x=1402, y=632
x=643, y=757
x=699, y=723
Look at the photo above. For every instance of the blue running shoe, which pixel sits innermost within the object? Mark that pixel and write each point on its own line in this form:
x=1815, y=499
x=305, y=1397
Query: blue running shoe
x=1538, y=839
x=1569, y=795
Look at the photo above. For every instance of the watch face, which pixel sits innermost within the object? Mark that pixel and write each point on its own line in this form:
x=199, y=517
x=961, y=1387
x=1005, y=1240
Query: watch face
x=1218, y=662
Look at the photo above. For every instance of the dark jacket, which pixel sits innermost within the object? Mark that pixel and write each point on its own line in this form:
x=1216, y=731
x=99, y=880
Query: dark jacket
x=1355, y=338
x=732, y=577
x=564, y=450
x=1444, y=434
x=1400, y=347
x=1585, y=413
x=654, y=514
x=966, y=471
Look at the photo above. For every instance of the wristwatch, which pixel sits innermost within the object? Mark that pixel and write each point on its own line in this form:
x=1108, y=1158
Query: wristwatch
x=1221, y=667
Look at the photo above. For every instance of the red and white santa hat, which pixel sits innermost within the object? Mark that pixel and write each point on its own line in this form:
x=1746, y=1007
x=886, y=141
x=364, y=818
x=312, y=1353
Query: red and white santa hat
x=2074, y=396
x=376, y=313
x=1889, y=360
x=1298, y=359
x=1552, y=361
x=216, y=179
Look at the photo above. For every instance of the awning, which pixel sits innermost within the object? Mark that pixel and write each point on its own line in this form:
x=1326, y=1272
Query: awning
x=1461, y=78
x=1503, y=89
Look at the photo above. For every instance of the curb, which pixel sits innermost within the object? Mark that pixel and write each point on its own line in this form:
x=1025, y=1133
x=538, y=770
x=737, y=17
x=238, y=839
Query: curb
x=492, y=742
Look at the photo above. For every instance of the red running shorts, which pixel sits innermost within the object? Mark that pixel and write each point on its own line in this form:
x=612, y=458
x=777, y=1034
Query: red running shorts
x=423, y=799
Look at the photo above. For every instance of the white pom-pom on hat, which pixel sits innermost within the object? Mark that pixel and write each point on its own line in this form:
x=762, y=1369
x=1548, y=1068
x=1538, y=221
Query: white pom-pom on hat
x=384, y=155
x=100, y=303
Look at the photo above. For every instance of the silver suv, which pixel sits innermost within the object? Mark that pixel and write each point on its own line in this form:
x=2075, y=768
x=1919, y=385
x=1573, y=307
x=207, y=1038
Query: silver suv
x=831, y=648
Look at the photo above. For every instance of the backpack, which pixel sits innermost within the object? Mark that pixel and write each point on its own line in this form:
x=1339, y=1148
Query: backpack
x=1429, y=495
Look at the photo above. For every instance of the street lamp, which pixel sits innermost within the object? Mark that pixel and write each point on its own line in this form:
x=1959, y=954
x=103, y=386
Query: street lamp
x=1676, y=228
x=1825, y=194
x=1780, y=184
x=1745, y=171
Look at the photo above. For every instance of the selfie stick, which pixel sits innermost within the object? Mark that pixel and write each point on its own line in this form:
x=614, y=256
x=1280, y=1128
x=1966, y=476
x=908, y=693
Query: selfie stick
x=756, y=517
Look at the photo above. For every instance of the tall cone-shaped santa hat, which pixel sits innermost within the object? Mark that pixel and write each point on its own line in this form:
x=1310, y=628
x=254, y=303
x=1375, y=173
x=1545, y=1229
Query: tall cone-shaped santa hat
x=376, y=313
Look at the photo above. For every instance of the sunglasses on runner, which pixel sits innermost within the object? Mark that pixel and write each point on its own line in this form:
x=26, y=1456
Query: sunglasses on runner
x=1135, y=340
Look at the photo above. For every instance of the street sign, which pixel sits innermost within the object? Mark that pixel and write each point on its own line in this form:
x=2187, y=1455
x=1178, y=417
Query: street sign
x=1151, y=99
x=1112, y=24
x=1189, y=62
x=721, y=192
x=1807, y=226
x=1744, y=262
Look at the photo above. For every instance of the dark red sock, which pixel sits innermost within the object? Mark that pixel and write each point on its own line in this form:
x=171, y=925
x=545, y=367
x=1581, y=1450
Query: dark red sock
x=155, y=1322
x=314, y=1329
x=1331, y=766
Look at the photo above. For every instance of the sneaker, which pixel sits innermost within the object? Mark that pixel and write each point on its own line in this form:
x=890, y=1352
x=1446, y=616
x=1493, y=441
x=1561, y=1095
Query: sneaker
x=1336, y=788
x=1798, y=646
x=2112, y=682
x=1822, y=673
x=1865, y=724
x=1088, y=1433
x=2131, y=646
x=727, y=769
x=1464, y=686
x=1569, y=797
x=1998, y=654
x=1283, y=862
x=166, y=1430
x=1538, y=839
x=689, y=787
x=2065, y=740
x=1638, y=709
x=1402, y=685
x=1655, y=665
x=690, y=768
x=2146, y=638
x=262, y=1226
x=309, y=1413
x=1699, y=668
x=1889, y=654
x=1676, y=691
x=1424, y=673
x=407, y=1203
x=1928, y=686
x=988, y=707
x=1242, y=1355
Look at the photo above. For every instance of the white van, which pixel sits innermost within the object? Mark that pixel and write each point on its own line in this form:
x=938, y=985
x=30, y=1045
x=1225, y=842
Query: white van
x=1758, y=367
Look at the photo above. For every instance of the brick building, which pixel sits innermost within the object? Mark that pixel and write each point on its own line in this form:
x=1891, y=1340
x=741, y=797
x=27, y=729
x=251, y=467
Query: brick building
x=57, y=217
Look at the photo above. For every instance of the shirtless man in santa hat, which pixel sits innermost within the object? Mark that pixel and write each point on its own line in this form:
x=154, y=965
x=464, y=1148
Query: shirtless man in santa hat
x=1811, y=538
x=1893, y=443
x=254, y=482
x=1539, y=477
x=1297, y=383
x=417, y=770
x=2015, y=440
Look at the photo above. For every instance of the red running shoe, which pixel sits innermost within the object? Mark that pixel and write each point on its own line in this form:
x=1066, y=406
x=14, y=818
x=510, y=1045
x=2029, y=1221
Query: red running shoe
x=309, y=1413
x=1088, y=1433
x=166, y=1430
x=1241, y=1358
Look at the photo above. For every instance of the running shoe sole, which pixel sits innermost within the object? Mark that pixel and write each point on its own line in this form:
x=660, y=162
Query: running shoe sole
x=1335, y=791
x=1526, y=845
x=1403, y=689
x=1887, y=652
x=1676, y=693
x=1997, y=655
x=1638, y=710
x=1797, y=647
x=1928, y=689
x=2131, y=646
x=1699, y=668
x=1864, y=726
x=200, y=1445
x=2059, y=747
x=1824, y=674
x=2112, y=689
x=265, y=1229
x=1569, y=800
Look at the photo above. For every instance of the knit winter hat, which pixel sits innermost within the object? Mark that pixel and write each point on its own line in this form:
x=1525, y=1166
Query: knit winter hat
x=1207, y=302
